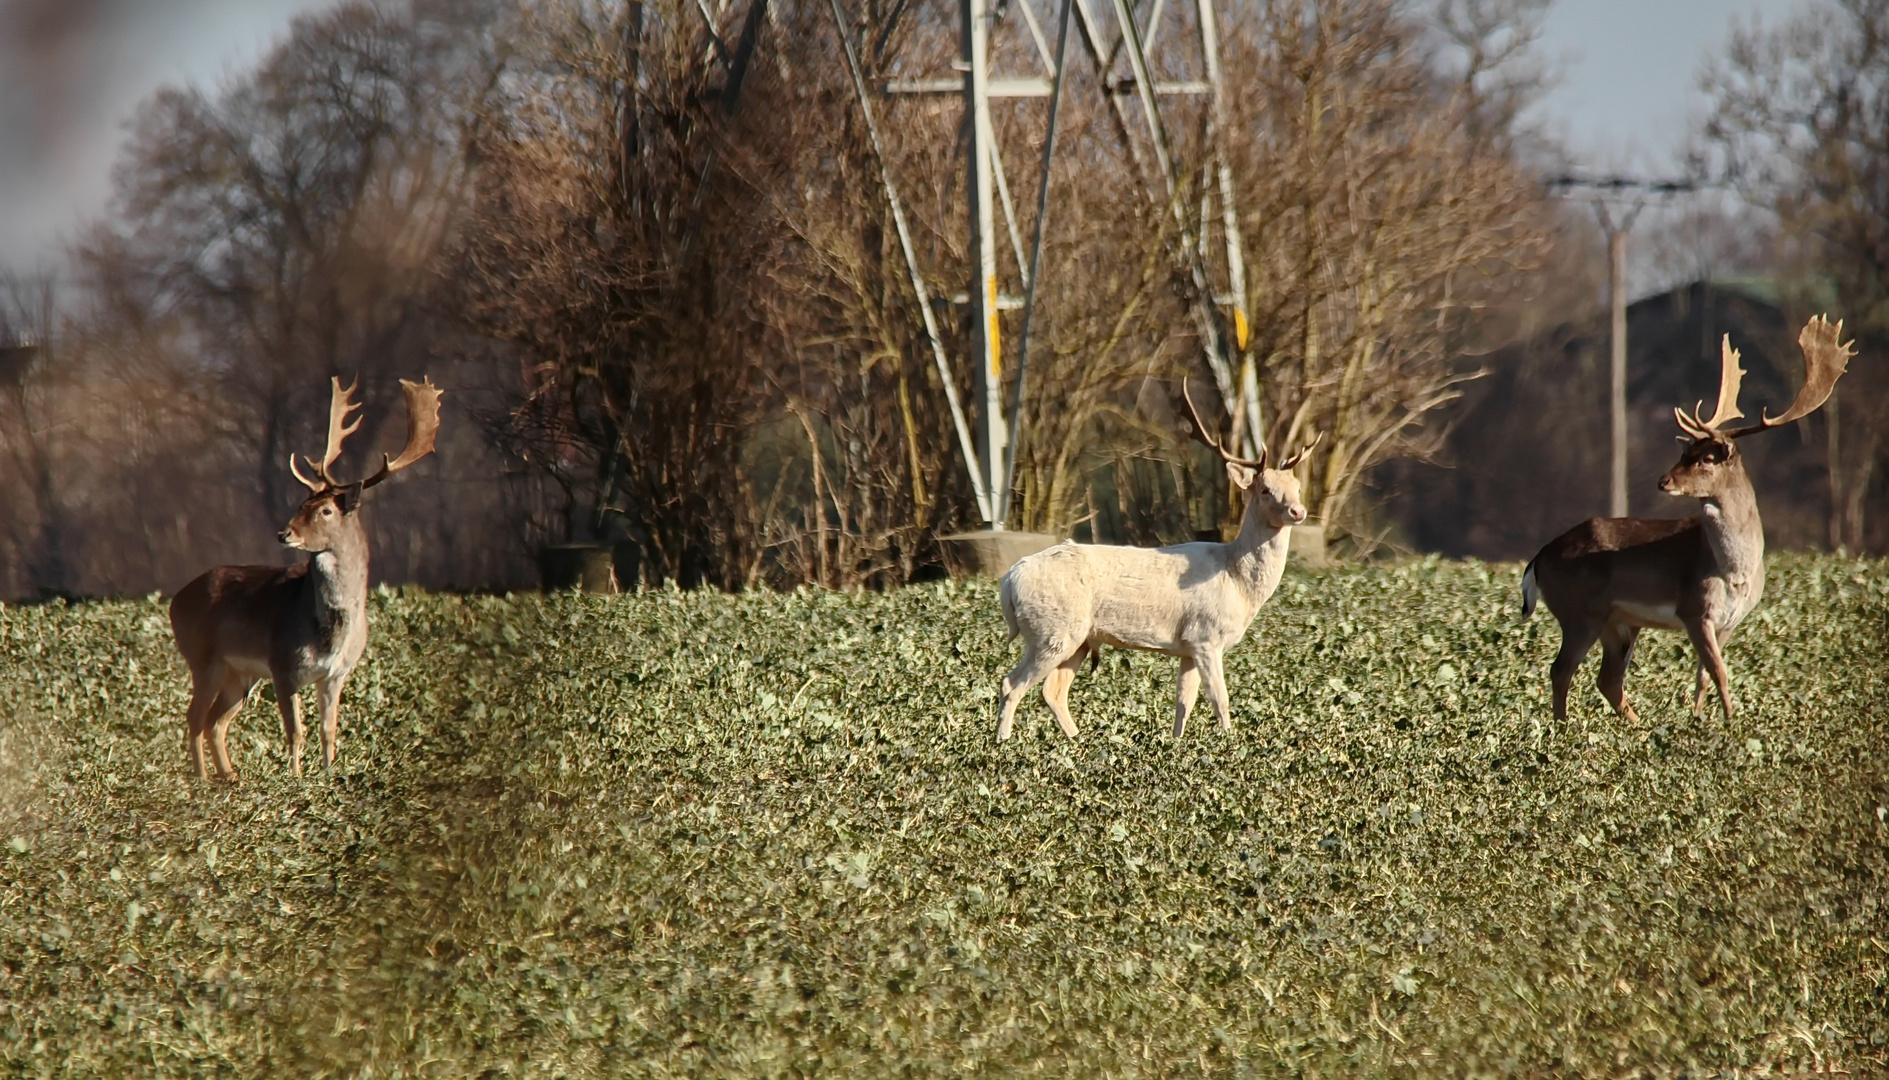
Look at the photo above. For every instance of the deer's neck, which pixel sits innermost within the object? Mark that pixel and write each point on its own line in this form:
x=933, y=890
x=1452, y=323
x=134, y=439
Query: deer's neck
x=337, y=581
x=1736, y=535
x=1257, y=557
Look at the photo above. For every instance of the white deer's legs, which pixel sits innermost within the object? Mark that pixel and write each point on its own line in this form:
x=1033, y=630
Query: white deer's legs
x=1705, y=640
x=1032, y=669
x=291, y=709
x=1056, y=689
x=329, y=694
x=1186, y=689
x=1210, y=668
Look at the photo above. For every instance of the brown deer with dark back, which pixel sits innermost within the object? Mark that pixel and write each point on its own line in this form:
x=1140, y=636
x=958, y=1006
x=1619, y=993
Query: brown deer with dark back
x=1607, y=579
x=296, y=625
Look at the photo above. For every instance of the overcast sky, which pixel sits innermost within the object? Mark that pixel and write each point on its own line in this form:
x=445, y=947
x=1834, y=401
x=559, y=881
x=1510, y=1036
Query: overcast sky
x=73, y=71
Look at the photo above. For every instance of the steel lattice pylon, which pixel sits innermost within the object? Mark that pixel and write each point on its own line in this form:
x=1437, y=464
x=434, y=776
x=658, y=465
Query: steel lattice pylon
x=1123, y=68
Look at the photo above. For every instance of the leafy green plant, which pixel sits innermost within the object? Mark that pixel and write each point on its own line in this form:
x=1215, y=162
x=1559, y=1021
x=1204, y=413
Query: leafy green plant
x=769, y=834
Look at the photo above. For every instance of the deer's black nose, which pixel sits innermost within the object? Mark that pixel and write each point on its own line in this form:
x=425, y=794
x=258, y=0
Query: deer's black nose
x=283, y=536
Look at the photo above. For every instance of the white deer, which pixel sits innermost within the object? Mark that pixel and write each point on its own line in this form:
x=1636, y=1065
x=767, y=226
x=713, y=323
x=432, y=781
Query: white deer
x=1193, y=601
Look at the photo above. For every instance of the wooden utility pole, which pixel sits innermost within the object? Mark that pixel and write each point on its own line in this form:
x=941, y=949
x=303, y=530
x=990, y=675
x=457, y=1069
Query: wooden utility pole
x=1617, y=399
x=1615, y=188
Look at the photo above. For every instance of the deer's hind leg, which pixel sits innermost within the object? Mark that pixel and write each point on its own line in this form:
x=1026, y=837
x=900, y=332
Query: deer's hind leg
x=1616, y=652
x=1056, y=689
x=216, y=725
x=1577, y=640
x=1039, y=659
x=205, y=692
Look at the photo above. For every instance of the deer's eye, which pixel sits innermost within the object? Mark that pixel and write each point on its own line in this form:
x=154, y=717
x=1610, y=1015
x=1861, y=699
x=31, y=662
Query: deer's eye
x=327, y=511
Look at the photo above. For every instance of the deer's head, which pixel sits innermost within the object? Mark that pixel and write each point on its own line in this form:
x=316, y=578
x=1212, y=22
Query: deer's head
x=329, y=512
x=1706, y=465
x=1710, y=460
x=323, y=520
x=1271, y=493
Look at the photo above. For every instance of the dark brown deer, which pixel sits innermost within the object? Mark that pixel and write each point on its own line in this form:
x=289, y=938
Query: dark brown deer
x=238, y=625
x=1607, y=579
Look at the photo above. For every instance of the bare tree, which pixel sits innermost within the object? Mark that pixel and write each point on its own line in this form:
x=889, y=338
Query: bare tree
x=34, y=554
x=596, y=248
x=288, y=220
x=655, y=238
x=264, y=236
x=649, y=199
x=1798, y=122
x=1488, y=53
x=1385, y=218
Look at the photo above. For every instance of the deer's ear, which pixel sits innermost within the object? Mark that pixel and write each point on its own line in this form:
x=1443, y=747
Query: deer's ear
x=1241, y=476
x=348, y=498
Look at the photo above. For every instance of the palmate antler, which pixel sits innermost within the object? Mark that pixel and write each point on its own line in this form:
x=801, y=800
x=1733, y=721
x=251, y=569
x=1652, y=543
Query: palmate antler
x=1202, y=433
x=1730, y=376
x=1826, y=357
x=422, y=431
x=339, y=406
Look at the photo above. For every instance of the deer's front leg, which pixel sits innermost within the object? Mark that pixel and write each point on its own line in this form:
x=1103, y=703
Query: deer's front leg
x=330, y=696
x=1216, y=688
x=1186, y=689
x=291, y=708
x=1705, y=639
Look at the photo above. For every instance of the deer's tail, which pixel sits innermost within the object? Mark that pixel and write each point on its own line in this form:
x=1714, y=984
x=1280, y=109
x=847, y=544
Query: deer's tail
x=1530, y=591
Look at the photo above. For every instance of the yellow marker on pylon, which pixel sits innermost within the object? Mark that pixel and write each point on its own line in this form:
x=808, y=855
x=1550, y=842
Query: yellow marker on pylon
x=996, y=335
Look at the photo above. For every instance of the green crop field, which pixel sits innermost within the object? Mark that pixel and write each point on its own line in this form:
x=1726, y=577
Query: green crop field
x=769, y=835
